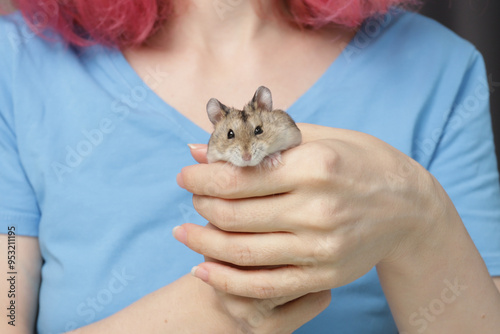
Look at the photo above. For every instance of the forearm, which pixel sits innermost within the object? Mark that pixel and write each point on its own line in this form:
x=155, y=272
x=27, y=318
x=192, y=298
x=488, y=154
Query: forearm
x=441, y=285
x=185, y=306
x=19, y=292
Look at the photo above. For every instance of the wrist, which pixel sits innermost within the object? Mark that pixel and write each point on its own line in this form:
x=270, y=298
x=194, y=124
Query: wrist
x=432, y=221
x=435, y=275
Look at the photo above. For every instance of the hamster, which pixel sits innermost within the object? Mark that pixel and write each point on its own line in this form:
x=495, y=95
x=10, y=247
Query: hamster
x=257, y=134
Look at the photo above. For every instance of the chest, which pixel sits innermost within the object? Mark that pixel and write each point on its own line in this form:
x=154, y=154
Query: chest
x=188, y=81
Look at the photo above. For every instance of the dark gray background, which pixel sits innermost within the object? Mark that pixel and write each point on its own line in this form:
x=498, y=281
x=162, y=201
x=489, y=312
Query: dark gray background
x=479, y=22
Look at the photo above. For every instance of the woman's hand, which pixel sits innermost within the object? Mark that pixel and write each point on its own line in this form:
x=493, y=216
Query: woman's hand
x=342, y=203
x=188, y=305
x=282, y=315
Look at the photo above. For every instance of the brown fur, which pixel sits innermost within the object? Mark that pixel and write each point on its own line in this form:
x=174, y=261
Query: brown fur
x=279, y=133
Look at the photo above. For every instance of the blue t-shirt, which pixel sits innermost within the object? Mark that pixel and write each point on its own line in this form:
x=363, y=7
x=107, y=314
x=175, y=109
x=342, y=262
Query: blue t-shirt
x=89, y=157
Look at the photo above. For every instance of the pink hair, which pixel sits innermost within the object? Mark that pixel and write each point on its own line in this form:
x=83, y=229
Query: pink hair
x=349, y=13
x=124, y=23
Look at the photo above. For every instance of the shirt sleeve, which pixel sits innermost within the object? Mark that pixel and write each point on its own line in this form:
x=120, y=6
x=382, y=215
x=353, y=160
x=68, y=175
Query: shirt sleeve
x=18, y=204
x=465, y=164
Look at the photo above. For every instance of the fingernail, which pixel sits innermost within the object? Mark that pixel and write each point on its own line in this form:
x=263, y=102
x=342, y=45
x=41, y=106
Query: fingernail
x=180, y=180
x=200, y=273
x=180, y=234
x=195, y=146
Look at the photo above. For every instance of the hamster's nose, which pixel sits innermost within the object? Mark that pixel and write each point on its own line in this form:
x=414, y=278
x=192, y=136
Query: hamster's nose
x=247, y=157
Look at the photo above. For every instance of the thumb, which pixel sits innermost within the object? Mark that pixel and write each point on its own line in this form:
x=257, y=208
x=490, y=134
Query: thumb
x=199, y=152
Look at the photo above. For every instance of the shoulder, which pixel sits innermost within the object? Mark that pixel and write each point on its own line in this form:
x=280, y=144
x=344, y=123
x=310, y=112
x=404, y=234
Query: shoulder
x=426, y=34
x=22, y=49
x=407, y=49
x=26, y=50
x=413, y=40
x=53, y=74
x=423, y=28
x=32, y=59
x=18, y=37
x=10, y=26
x=406, y=73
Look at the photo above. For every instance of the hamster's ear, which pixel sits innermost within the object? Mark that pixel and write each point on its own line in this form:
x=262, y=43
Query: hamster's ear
x=263, y=98
x=216, y=110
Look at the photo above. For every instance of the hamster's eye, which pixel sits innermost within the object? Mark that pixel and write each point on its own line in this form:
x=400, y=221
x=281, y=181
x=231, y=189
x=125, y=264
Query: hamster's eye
x=230, y=134
x=258, y=130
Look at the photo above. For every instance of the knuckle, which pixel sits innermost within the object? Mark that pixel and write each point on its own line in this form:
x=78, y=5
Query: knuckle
x=329, y=163
x=200, y=204
x=325, y=165
x=263, y=290
x=338, y=277
x=220, y=212
x=332, y=250
x=325, y=249
x=223, y=215
x=210, y=188
x=226, y=181
x=240, y=255
x=322, y=213
x=226, y=287
x=325, y=209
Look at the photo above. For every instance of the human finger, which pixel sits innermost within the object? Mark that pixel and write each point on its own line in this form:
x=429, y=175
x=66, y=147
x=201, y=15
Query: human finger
x=300, y=311
x=265, y=283
x=226, y=181
x=199, y=152
x=281, y=315
x=256, y=214
x=246, y=249
x=319, y=159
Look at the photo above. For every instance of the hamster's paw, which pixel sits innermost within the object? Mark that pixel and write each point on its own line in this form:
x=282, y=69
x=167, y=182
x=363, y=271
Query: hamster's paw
x=272, y=160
